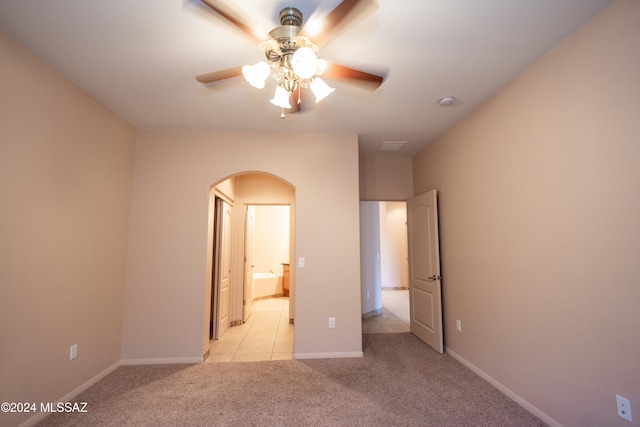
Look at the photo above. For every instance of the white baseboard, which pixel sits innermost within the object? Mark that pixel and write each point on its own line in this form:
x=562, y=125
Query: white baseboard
x=340, y=355
x=505, y=390
x=163, y=361
x=73, y=393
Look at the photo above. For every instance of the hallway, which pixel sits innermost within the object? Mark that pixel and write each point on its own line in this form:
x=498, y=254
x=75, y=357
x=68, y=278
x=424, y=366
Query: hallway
x=395, y=314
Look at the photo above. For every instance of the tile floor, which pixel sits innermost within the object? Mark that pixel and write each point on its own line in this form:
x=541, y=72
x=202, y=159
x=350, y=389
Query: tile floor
x=267, y=335
x=394, y=317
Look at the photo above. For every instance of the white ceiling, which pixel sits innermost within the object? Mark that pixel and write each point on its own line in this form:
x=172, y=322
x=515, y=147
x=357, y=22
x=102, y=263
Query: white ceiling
x=139, y=58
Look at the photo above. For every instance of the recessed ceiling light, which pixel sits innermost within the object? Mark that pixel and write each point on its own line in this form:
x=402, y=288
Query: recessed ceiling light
x=446, y=101
x=392, y=145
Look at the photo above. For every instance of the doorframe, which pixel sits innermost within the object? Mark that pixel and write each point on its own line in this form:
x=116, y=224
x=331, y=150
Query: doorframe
x=215, y=244
x=291, y=242
x=378, y=311
x=248, y=249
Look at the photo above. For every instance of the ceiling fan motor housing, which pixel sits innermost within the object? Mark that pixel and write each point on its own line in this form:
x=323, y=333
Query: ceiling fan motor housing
x=291, y=16
x=285, y=40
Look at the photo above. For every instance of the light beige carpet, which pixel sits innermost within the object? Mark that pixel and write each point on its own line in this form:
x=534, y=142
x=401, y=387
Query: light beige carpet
x=399, y=382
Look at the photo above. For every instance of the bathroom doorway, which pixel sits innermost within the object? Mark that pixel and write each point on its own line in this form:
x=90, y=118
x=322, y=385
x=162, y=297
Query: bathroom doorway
x=267, y=253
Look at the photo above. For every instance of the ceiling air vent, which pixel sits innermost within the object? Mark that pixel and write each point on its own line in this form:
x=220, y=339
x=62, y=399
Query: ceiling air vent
x=392, y=145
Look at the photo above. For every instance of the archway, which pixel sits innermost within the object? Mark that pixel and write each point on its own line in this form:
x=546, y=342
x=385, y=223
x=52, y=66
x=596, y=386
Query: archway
x=235, y=193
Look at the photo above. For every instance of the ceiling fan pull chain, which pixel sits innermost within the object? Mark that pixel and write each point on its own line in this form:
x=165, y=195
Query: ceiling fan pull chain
x=282, y=116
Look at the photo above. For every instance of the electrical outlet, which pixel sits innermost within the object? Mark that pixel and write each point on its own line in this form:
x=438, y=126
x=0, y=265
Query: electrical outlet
x=73, y=351
x=624, y=408
x=458, y=326
x=332, y=322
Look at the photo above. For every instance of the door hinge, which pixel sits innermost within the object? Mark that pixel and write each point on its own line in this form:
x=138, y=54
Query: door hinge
x=244, y=302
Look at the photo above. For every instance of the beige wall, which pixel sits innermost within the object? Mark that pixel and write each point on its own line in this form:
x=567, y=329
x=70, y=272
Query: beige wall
x=540, y=239
x=65, y=184
x=165, y=292
x=385, y=178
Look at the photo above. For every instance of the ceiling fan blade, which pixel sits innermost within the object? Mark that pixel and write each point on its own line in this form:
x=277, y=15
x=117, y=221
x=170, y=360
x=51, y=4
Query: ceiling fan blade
x=322, y=30
x=219, y=75
x=239, y=18
x=361, y=78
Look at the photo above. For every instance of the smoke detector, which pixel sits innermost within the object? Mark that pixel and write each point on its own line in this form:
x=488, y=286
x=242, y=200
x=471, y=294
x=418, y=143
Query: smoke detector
x=446, y=101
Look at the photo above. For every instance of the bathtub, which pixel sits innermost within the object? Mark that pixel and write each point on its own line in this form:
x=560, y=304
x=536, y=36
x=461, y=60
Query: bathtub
x=267, y=285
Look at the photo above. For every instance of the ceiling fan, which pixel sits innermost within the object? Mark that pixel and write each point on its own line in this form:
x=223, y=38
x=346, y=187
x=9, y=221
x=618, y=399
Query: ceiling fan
x=291, y=57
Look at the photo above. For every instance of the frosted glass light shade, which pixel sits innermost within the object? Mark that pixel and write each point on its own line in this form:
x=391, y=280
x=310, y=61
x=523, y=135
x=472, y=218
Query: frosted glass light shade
x=304, y=63
x=256, y=74
x=281, y=98
x=322, y=66
x=320, y=89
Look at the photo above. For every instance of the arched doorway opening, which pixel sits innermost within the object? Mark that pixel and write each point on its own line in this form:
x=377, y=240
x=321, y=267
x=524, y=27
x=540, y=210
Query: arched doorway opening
x=238, y=205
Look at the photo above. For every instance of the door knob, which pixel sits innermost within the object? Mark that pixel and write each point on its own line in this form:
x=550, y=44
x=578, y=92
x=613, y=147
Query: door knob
x=434, y=278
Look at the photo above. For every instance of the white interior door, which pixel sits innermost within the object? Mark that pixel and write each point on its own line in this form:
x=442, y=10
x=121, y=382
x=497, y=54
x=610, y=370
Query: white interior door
x=425, y=287
x=249, y=224
x=224, y=273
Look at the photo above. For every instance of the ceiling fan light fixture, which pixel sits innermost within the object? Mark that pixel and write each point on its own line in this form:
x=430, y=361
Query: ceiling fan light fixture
x=320, y=89
x=322, y=66
x=256, y=74
x=304, y=62
x=281, y=98
x=290, y=57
